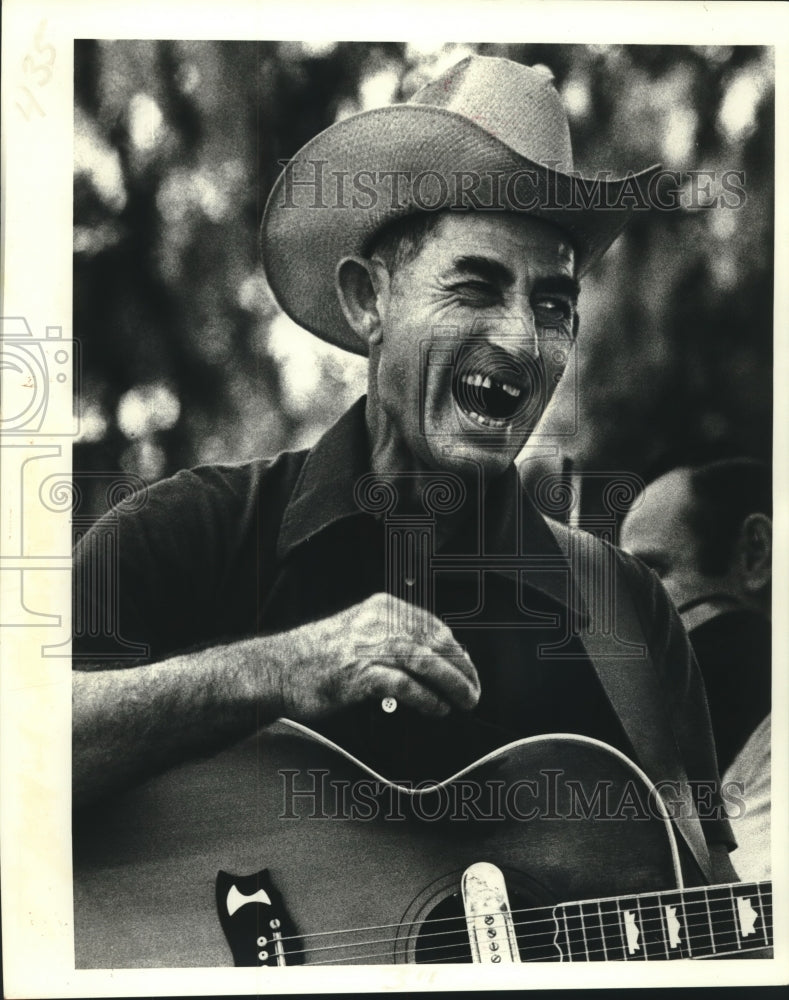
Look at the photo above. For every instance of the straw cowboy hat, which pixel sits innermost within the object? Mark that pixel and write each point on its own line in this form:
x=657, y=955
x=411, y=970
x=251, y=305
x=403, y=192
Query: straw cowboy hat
x=488, y=133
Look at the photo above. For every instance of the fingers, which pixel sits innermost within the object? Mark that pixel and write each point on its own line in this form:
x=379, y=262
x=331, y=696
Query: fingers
x=382, y=647
x=421, y=647
x=386, y=681
x=450, y=649
x=390, y=617
x=451, y=675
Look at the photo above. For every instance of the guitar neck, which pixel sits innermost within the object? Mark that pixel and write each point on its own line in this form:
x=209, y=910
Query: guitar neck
x=702, y=922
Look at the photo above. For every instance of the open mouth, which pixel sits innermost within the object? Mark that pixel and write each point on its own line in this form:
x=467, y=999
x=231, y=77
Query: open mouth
x=493, y=391
x=486, y=400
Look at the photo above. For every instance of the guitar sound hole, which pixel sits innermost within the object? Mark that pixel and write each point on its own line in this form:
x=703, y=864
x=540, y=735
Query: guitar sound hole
x=444, y=937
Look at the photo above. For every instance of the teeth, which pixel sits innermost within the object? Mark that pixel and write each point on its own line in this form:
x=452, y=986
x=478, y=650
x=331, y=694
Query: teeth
x=486, y=382
x=487, y=421
x=477, y=379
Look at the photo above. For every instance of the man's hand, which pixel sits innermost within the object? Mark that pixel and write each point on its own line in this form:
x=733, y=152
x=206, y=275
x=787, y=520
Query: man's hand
x=355, y=656
x=133, y=722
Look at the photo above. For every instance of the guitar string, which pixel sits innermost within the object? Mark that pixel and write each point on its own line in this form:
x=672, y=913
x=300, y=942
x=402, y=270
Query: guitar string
x=561, y=958
x=664, y=897
x=691, y=937
x=523, y=938
x=551, y=919
x=643, y=954
x=533, y=911
x=439, y=961
x=734, y=951
x=463, y=949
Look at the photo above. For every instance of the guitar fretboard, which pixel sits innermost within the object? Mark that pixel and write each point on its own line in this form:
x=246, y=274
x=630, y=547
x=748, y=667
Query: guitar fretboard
x=702, y=922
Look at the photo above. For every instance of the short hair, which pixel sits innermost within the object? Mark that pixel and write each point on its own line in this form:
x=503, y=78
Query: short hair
x=398, y=242
x=724, y=494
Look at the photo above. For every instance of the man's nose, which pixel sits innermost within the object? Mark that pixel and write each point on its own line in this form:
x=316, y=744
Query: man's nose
x=515, y=332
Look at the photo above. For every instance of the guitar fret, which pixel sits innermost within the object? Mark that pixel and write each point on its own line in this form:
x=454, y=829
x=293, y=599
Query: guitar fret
x=664, y=926
x=567, y=935
x=674, y=913
x=613, y=936
x=651, y=920
x=602, y=930
x=709, y=921
x=763, y=910
x=583, y=931
x=652, y=940
x=640, y=923
x=734, y=912
x=625, y=950
x=593, y=932
x=700, y=922
x=725, y=932
x=687, y=936
x=574, y=933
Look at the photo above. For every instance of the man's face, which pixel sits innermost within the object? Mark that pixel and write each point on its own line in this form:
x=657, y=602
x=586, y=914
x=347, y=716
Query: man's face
x=475, y=333
x=658, y=531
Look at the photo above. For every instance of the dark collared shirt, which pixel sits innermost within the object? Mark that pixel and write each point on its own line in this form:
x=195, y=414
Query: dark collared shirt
x=224, y=552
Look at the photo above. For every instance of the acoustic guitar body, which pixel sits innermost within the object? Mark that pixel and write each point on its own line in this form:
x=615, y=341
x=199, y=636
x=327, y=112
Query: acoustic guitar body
x=563, y=818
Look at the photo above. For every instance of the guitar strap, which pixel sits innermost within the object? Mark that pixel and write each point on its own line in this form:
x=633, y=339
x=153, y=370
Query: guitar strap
x=615, y=643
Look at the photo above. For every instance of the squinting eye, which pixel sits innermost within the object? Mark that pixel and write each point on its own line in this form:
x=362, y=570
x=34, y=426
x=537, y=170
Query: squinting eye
x=477, y=289
x=553, y=311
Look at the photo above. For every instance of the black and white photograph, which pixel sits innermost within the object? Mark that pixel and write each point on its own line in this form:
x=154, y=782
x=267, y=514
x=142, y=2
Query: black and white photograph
x=389, y=585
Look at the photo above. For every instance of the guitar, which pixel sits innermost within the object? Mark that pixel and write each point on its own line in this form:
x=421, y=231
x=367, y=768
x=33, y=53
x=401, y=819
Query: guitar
x=552, y=848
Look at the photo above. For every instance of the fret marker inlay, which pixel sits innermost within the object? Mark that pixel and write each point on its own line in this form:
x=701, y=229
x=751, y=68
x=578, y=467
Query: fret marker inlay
x=747, y=916
x=673, y=926
x=632, y=932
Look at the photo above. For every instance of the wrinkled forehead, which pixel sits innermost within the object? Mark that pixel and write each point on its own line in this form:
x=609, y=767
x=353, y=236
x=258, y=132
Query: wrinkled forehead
x=503, y=234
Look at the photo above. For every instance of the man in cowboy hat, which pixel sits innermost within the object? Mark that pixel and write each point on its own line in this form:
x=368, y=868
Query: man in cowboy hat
x=392, y=585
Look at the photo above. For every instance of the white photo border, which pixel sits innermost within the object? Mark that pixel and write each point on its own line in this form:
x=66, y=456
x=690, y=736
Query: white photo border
x=37, y=196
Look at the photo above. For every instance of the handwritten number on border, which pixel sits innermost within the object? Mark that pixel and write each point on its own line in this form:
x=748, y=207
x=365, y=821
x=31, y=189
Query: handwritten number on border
x=37, y=66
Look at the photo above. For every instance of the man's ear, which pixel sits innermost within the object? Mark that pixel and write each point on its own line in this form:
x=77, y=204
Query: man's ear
x=755, y=552
x=362, y=286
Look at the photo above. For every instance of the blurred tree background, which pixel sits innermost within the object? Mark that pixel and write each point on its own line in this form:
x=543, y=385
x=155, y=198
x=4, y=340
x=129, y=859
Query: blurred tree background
x=186, y=357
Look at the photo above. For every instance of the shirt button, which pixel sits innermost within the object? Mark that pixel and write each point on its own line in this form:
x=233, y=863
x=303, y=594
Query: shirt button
x=389, y=705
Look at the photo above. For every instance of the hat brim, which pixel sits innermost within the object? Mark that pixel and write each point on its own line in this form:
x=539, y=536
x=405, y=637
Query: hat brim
x=340, y=189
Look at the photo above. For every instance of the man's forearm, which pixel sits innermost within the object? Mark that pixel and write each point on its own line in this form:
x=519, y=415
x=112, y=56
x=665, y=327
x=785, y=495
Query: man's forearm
x=129, y=723
x=132, y=722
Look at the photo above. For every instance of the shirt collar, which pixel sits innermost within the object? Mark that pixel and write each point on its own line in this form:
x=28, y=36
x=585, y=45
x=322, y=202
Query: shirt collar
x=324, y=490
x=514, y=528
x=697, y=613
